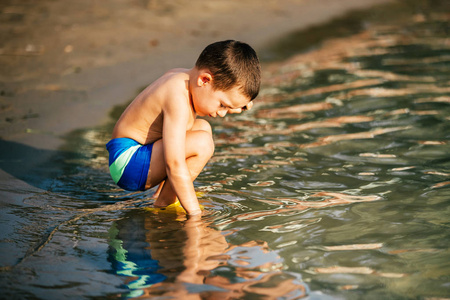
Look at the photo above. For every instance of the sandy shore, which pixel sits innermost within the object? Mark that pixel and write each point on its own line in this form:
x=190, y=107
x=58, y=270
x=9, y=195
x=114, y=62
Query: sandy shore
x=65, y=64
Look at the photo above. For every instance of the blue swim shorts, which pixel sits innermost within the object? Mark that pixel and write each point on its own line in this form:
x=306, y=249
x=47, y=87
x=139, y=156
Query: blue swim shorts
x=129, y=162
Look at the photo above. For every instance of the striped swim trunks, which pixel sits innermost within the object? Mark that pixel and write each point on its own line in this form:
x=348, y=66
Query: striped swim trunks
x=129, y=163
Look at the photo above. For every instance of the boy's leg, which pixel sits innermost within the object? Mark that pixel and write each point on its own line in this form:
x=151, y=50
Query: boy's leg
x=158, y=190
x=199, y=149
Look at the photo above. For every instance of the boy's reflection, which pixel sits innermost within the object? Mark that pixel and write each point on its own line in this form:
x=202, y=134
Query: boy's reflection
x=171, y=255
x=151, y=248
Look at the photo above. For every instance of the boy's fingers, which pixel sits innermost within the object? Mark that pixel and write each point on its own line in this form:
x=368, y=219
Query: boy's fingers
x=249, y=105
x=235, y=110
x=239, y=110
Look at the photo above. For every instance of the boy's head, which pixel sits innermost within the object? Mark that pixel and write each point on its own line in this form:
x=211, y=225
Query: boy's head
x=231, y=64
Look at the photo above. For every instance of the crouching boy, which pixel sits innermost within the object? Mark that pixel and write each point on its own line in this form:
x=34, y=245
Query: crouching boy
x=159, y=141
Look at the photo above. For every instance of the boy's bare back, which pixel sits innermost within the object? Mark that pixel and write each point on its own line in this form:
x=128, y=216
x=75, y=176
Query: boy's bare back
x=142, y=121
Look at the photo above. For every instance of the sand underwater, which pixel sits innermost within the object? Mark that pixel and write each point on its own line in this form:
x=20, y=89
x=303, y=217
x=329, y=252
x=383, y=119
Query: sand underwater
x=335, y=186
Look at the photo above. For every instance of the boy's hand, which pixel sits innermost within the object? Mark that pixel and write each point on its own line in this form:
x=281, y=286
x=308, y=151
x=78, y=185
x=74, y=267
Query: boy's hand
x=241, y=109
x=248, y=106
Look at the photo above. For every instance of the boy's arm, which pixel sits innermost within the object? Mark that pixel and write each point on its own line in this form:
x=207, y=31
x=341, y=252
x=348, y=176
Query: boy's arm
x=176, y=117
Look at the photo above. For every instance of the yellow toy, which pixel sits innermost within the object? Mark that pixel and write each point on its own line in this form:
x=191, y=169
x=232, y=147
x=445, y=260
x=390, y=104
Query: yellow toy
x=172, y=208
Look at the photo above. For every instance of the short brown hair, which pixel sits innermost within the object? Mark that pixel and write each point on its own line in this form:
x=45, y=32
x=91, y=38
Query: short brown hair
x=232, y=63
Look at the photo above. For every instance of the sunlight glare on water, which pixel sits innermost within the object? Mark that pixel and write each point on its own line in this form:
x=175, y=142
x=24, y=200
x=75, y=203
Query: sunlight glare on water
x=334, y=186
x=343, y=165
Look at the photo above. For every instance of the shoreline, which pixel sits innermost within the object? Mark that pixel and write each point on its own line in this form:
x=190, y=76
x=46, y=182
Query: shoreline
x=39, y=107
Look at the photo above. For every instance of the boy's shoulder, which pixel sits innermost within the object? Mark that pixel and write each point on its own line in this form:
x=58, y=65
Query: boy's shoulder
x=171, y=88
x=176, y=75
x=173, y=81
x=176, y=71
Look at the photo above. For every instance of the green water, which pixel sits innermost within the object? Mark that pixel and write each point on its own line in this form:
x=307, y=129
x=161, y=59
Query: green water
x=334, y=186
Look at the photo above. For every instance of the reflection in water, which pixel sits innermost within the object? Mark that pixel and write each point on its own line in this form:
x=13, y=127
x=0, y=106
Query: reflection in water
x=345, y=157
x=173, y=256
x=335, y=185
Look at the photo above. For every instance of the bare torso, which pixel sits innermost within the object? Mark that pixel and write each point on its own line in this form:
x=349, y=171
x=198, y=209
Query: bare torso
x=142, y=121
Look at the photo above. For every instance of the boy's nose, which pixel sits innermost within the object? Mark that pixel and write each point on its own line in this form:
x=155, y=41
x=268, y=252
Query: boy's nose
x=222, y=113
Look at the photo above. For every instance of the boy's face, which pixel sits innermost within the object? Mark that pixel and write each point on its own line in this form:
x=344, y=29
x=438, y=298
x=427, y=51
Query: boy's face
x=213, y=103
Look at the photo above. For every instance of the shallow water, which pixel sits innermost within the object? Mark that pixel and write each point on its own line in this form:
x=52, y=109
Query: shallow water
x=335, y=186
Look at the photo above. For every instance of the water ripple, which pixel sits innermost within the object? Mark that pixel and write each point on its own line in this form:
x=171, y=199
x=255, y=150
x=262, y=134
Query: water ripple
x=335, y=183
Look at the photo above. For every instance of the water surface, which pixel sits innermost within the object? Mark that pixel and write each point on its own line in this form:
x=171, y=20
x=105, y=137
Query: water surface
x=335, y=186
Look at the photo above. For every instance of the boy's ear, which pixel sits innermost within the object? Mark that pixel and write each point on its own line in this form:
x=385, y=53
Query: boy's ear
x=204, y=78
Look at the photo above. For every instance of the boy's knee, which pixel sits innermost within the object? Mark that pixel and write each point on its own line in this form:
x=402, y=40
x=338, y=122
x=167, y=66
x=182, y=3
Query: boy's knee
x=206, y=145
x=203, y=125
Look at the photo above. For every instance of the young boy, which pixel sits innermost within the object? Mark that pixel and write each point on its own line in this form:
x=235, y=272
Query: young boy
x=158, y=139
